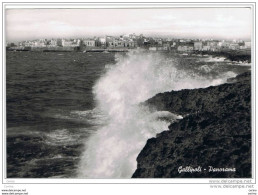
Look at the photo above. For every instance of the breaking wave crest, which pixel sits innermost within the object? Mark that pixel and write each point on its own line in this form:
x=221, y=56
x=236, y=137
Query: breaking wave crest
x=112, y=150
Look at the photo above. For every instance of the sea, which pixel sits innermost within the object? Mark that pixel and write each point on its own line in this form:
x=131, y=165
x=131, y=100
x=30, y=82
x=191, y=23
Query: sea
x=79, y=115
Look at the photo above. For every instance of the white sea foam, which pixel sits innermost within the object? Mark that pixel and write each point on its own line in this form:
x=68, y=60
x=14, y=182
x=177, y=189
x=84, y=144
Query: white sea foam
x=205, y=68
x=94, y=117
x=111, y=152
x=215, y=59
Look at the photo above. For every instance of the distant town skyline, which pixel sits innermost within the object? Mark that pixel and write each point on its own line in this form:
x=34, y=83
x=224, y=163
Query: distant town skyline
x=214, y=23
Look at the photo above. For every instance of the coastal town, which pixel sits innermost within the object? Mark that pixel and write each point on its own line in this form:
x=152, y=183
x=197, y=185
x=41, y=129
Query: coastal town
x=129, y=42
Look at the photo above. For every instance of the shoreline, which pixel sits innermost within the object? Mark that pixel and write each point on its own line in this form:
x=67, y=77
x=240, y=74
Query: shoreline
x=215, y=131
x=229, y=55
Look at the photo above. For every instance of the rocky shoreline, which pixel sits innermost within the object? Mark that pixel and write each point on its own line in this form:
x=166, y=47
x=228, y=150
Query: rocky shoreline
x=213, y=140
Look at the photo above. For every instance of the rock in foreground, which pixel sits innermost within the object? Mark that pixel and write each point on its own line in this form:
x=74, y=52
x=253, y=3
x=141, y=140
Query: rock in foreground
x=215, y=132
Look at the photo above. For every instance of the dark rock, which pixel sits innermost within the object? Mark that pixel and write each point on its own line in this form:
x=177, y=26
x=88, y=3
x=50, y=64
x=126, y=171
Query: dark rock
x=215, y=131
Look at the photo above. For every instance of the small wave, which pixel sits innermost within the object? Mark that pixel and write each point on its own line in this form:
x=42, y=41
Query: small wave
x=93, y=117
x=62, y=137
x=240, y=63
x=24, y=130
x=208, y=58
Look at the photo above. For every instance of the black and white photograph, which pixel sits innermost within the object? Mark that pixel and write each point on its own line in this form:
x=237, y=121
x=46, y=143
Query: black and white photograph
x=129, y=92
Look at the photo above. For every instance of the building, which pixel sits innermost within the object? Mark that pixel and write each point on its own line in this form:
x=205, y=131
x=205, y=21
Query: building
x=159, y=42
x=223, y=45
x=103, y=41
x=70, y=43
x=206, y=48
x=234, y=46
x=52, y=43
x=59, y=42
x=166, y=46
x=129, y=43
x=132, y=44
x=185, y=48
x=248, y=45
x=37, y=44
x=89, y=43
x=67, y=43
x=198, y=46
x=117, y=43
x=213, y=45
x=10, y=44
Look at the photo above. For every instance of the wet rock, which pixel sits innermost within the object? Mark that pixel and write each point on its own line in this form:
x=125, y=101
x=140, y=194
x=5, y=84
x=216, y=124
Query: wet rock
x=214, y=133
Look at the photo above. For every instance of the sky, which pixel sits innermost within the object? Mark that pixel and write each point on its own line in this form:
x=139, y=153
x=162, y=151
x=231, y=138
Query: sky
x=215, y=23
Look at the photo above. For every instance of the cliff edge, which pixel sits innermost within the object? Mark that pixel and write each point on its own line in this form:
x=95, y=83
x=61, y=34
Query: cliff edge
x=213, y=139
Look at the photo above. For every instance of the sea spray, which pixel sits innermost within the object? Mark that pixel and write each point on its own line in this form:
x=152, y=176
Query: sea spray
x=112, y=150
